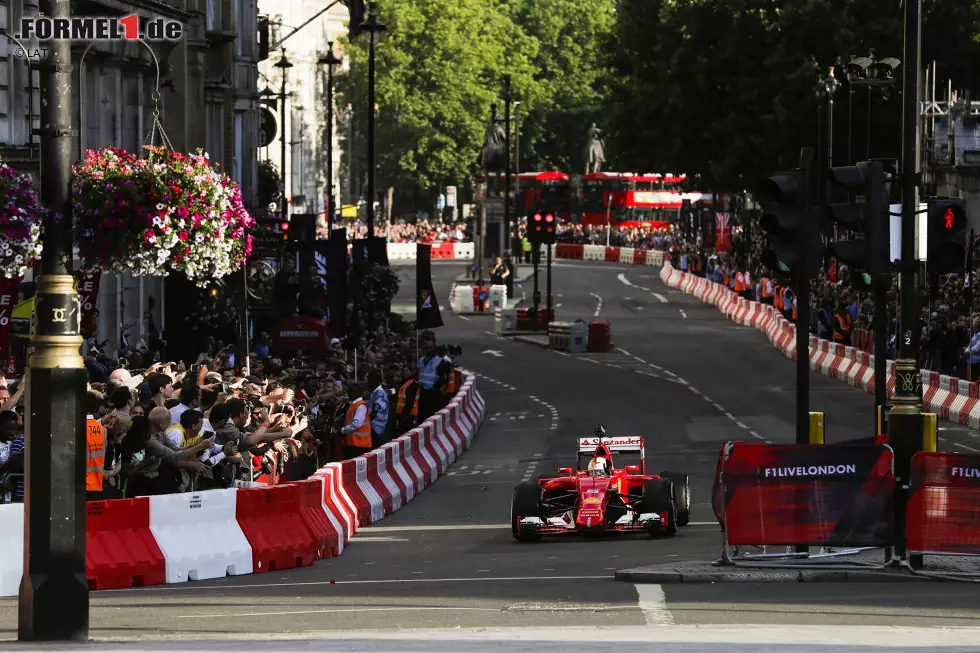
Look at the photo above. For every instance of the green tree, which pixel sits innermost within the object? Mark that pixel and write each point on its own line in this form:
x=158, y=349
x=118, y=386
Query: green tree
x=572, y=76
x=440, y=66
x=725, y=88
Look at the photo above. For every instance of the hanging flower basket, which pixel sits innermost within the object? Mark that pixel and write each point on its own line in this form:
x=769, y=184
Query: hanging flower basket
x=170, y=212
x=20, y=223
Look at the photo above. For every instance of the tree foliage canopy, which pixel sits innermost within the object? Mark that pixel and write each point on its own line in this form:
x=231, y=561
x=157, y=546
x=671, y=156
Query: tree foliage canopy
x=725, y=88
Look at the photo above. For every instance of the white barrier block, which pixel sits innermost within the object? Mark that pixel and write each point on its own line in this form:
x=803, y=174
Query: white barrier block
x=199, y=535
x=339, y=522
x=12, y=545
x=464, y=251
x=368, y=490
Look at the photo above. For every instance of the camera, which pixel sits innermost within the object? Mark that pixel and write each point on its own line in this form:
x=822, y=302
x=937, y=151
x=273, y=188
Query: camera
x=454, y=350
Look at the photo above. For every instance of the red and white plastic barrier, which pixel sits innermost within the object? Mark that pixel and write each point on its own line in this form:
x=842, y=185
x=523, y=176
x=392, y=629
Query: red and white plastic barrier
x=950, y=398
x=445, y=250
x=628, y=255
x=195, y=536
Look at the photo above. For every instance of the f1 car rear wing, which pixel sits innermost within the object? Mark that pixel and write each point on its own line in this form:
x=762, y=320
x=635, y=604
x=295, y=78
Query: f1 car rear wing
x=620, y=445
x=615, y=445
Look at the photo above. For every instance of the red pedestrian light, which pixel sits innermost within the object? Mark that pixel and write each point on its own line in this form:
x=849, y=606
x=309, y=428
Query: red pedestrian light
x=284, y=226
x=537, y=217
x=549, y=218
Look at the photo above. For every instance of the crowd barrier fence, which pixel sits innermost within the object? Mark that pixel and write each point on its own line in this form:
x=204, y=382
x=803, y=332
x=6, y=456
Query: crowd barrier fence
x=839, y=496
x=200, y=535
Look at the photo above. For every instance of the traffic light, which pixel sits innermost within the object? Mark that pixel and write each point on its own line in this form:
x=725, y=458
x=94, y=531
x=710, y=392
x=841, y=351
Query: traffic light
x=284, y=230
x=946, y=236
x=785, y=221
x=866, y=215
x=535, y=229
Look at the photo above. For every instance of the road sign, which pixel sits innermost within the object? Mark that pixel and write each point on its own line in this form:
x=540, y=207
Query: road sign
x=450, y=196
x=441, y=202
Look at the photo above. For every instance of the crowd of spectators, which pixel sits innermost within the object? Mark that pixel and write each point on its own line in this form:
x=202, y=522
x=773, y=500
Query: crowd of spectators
x=408, y=230
x=159, y=427
x=638, y=237
x=843, y=308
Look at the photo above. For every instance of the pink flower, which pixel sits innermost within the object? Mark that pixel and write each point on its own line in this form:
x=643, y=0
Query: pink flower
x=183, y=235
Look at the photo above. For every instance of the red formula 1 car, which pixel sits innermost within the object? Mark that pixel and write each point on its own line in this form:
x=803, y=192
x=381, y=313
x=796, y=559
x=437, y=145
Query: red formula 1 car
x=601, y=498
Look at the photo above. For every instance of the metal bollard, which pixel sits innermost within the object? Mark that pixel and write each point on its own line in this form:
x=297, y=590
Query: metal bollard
x=816, y=428
x=930, y=428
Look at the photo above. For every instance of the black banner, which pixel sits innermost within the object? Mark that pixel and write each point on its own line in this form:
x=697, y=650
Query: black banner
x=427, y=315
x=358, y=252
x=337, y=291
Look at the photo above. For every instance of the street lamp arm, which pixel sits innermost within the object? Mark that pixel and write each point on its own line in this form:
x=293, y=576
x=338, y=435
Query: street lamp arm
x=307, y=22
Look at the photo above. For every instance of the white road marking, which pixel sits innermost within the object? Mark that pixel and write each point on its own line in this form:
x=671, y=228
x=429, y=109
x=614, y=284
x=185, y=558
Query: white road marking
x=564, y=607
x=969, y=448
x=463, y=317
x=694, y=390
x=611, y=365
x=645, y=373
x=756, y=435
x=718, y=406
x=274, y=613
x=653, y=604
x=742, y=425
x=663, y=300
x=683, y=314
x=624, y=352
x=561, y=353
x=599, y=307
x=622, y=277
x=380, y=539
x=592, y=361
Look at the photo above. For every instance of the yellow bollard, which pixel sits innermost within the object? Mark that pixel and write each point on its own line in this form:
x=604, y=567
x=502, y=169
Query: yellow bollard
x=816, y=428
x=930, y=438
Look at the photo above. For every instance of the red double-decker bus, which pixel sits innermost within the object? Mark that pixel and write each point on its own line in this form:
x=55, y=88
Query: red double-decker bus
x=624, y=199
x=539, y=191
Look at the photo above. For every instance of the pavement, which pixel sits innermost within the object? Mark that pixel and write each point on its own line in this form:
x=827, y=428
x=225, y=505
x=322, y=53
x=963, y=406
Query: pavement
x=681, y=375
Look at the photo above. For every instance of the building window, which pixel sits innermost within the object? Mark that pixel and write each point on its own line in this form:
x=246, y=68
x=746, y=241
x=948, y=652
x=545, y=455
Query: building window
x=239, y=146
x=215, y=116
x=132, y=107
x=213, y=8
x=236, y=19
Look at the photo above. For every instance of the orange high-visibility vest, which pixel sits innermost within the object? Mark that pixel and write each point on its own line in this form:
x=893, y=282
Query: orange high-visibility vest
x=728, y=277
x=739, y=282
x=765, y=290
x=362, y=436
x=777, y=300
x=452, y=386
x=403, y=399
x=95, y=463
x=747, y=280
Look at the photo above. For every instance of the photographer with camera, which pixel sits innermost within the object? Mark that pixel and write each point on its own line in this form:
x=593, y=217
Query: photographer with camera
x=379, y=409
x=407, y=408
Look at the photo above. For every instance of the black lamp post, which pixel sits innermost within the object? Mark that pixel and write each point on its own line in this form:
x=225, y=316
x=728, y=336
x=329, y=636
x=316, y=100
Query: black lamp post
x=53, y=601
x=329, y=60
x=373, y=27
x=265, y=95
x=825, y=89
x=283, y=65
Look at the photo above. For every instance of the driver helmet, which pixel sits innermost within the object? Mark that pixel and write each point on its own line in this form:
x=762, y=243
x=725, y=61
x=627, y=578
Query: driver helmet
x=600, y=431
x=599, y=466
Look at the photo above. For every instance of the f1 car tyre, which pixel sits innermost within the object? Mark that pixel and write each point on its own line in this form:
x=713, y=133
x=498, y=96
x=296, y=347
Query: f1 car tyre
x=682, y=495
x=658, y=497
x=526, y=502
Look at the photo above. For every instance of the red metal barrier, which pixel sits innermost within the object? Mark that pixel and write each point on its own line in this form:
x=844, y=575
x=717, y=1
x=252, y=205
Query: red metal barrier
x=271, y=521
x=612, y=255
x=120, y=550
x=326, y=537
x=944, y=504
x=600, y=335
x=640, y=256
x=566, y=250
x=524, y=318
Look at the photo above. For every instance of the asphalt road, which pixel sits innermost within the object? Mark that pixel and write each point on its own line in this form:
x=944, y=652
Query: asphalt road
x=682, y=376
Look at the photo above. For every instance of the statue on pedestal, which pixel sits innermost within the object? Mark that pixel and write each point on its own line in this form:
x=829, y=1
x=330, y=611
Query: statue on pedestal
x=595, y=150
